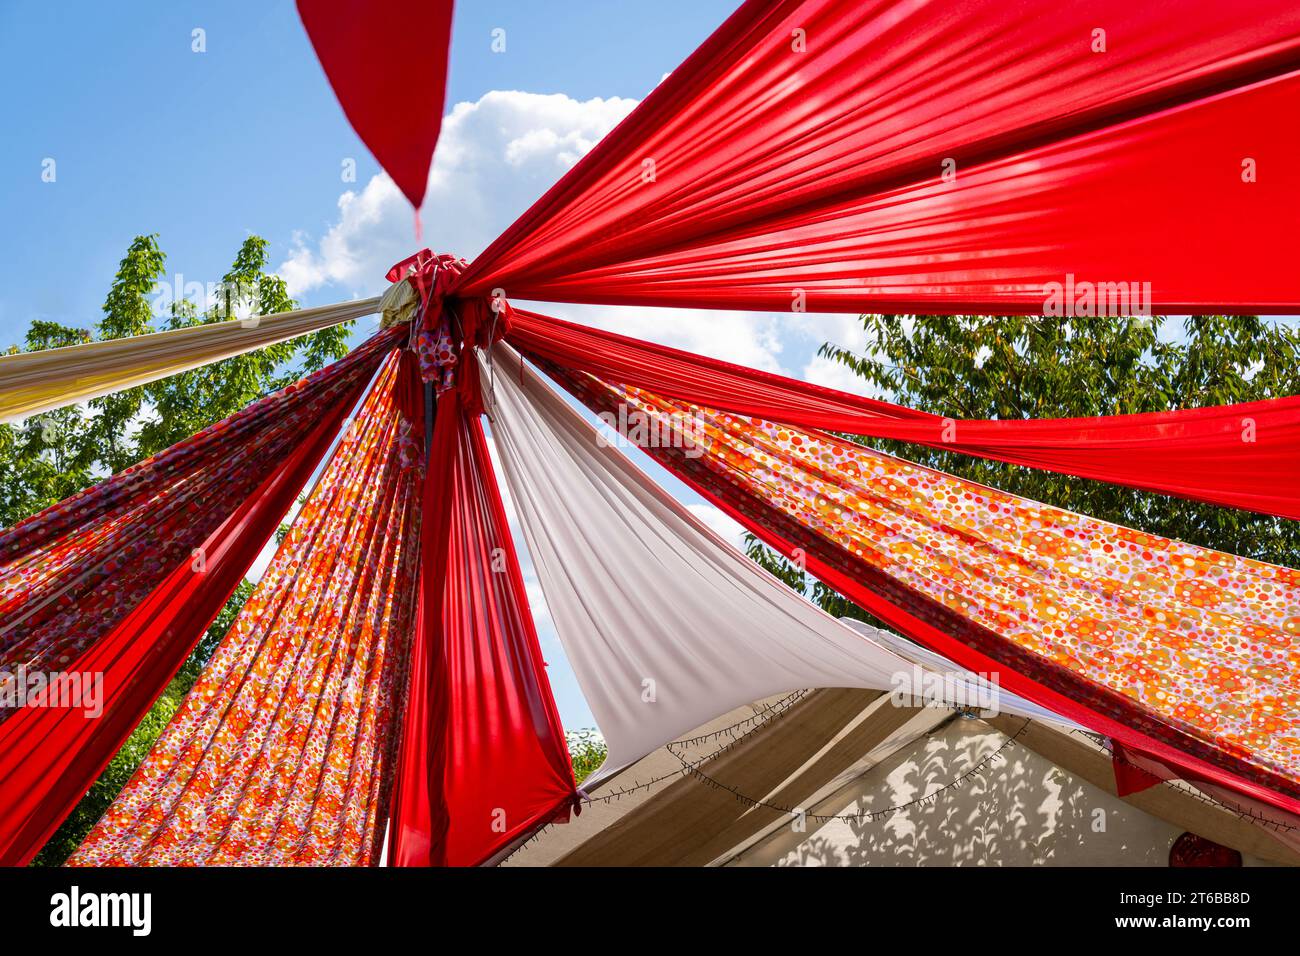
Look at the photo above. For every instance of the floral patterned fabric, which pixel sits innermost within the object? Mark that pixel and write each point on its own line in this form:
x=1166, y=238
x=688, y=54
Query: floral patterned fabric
x=70, y=574
x=1191, y=645
x=282, y=753
x=437, y=353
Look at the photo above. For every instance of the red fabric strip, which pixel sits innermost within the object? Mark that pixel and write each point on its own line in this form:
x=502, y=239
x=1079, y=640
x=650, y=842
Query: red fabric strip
x=49, y=757
x=1245, y=456
x=484, y=759
x=839, y=155
x=418, y=818
x=387, y=63
x=72, y=573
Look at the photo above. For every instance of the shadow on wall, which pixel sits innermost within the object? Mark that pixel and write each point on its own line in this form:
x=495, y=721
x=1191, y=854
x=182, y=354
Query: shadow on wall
x=1021, y=810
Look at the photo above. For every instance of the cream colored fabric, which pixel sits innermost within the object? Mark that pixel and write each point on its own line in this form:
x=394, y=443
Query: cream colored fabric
x=34, y=382
x=398, y=304
x=690, y=823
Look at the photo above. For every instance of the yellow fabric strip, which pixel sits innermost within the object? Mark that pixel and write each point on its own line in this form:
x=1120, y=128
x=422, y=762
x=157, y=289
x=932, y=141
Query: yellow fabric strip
x=35, y=382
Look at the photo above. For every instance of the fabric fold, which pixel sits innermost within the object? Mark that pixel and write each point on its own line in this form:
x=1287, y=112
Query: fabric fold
x=484, y=759
x=666, y=625
x=1244, y=456
x=282, y=753
x=939, y=157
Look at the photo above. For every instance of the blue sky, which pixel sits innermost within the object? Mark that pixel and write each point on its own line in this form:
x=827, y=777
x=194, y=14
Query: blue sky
x=205, y=148
x=246, y=137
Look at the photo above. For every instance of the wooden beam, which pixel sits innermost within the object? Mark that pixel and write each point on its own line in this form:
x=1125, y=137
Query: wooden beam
x=668, y=829
x=1084, y=759
x=881, y=719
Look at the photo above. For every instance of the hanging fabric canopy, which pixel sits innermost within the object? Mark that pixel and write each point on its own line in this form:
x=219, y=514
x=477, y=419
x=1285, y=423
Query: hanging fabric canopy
x=119, y=582
x=284, y=750
x=822, y=155
x=484, y=759
x=1175, y=650
x=34, y=382
x=942, y=156
x=665, y=624
x=1194, y=453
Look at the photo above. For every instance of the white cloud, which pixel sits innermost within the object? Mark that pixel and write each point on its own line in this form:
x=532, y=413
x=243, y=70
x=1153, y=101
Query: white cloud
x=754, y=339
x=495, y=157
x=722, y=524
x=831, y=374
x=847, y=332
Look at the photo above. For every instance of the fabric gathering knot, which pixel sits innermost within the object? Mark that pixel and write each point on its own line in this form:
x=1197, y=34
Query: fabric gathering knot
x=398, y=304
x=436, y=354
x=424, y=293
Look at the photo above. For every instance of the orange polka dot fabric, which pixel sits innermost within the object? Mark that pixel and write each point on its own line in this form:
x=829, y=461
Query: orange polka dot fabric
x=283, y=751
x=1169, y=635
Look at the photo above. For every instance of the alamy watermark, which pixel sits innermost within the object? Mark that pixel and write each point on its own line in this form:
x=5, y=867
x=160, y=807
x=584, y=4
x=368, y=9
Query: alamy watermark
x=69, y=690
x=77, y=908
x=1084, y=299
x=962, y=689
x=231, y=298
x=632, y=426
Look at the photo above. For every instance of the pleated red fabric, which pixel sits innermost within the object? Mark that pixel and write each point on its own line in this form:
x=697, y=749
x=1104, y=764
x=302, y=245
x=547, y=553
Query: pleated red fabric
x=419, y=816
x=484, y=759
x=387, y=63
x=117, y=585
x=1245, y=456
x=839, y=155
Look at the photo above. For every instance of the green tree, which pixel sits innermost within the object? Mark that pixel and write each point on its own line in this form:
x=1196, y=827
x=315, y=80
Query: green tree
x=1009, y=367
x=587, y=750
x=193, y=400
x=48, y=457
x=44, y=458
x=127, y=311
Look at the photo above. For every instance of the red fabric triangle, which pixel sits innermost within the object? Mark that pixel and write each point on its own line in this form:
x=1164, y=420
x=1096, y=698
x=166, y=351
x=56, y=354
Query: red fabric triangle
x=387, y=62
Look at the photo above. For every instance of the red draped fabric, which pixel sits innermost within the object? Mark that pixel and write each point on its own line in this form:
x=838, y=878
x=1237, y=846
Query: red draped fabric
x=283, y=751
x=484, y=759
x=947, y=156
x=1134, y=772
x=1246, y=455
x=1182, y=654
x=119, y=582
x=387, y=62
x=419, y=818
x=825, y=155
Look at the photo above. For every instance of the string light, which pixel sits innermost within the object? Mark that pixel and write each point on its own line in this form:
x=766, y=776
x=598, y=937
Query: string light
x=863, y=815
x=1243, y=813
x=691, y=768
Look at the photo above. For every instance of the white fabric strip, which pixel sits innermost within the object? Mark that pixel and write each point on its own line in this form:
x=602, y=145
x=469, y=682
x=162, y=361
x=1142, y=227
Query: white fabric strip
x=666, y=625
x=34, y=382
x=931, y=662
